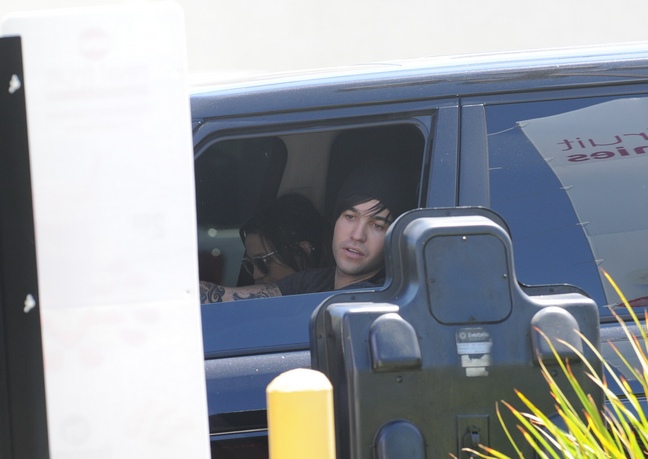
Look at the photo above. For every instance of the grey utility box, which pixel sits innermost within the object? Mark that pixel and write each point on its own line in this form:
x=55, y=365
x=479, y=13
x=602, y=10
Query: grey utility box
x=418, y=367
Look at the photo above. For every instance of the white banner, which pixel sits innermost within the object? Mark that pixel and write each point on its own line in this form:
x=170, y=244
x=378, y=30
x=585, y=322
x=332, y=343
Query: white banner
x=600, y=156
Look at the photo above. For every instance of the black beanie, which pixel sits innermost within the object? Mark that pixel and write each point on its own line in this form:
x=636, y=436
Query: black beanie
x=386, y=183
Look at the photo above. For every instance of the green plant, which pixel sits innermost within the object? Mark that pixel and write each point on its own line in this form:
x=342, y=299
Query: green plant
x=619, y=430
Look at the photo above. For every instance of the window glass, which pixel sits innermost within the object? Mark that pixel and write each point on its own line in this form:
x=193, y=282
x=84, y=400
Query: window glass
x=569, y=178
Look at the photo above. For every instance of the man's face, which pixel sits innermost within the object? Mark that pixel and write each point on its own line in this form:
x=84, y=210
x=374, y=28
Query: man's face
x=359, y=240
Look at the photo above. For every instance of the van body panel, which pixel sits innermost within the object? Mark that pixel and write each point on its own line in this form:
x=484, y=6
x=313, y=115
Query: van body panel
x=477, y=131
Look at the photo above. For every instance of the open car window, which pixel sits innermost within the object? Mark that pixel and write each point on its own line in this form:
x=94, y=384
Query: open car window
x=235, y=178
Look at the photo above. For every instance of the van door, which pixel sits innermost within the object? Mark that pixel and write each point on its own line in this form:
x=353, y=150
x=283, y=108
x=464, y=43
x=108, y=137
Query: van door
x=566, y=170
x=245, y=161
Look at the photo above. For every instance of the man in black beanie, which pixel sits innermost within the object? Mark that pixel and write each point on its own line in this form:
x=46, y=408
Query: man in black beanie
x=370, y=199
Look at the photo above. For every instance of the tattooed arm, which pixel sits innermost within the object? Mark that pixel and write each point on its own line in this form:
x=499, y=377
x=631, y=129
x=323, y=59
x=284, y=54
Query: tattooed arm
x=214, y=293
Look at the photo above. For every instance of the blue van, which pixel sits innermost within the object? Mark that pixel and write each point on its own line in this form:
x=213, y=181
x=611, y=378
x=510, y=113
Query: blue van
x=555, y=142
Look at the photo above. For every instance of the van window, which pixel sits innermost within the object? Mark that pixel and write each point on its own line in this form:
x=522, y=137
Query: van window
x=569, y=178
x=236, y=178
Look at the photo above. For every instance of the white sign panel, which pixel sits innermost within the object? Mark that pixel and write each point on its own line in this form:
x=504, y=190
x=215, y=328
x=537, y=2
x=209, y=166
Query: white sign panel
x=113, y=190
x=606, y=143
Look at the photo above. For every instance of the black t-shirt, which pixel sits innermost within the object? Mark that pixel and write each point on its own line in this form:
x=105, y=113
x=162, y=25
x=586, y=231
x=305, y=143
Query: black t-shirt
x=320, y=280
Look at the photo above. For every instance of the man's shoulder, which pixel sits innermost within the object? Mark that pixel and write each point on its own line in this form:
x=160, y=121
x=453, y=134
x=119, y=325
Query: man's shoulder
x=318, y=273
x=308, y=281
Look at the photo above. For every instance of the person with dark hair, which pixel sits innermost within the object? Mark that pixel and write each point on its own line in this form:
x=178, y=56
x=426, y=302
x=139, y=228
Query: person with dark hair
x=369, y=201
x=287, y=237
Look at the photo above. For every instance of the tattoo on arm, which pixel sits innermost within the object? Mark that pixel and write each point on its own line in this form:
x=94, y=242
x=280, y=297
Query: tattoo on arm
x=211, y=293
x=265, y=291
x=214, y=293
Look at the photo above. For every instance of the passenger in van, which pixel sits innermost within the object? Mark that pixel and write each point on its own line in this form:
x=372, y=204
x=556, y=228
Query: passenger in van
x=370, y=199
x=287, y=237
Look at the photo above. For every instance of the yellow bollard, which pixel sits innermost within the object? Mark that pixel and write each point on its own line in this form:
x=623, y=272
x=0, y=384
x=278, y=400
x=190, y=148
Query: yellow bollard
x=300, y=416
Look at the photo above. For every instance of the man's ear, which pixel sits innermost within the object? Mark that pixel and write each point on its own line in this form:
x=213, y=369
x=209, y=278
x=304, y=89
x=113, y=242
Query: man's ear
x=306, y=247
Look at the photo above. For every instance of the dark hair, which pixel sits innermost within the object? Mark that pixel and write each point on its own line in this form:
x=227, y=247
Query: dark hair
x=349, y=202
x=289, y=221
x=386, y=183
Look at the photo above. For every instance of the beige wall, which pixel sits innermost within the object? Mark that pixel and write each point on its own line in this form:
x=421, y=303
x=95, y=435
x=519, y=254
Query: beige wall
x=276, y=35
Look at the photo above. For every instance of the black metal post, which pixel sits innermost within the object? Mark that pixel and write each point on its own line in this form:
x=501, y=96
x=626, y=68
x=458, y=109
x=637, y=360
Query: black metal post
x=23, y=420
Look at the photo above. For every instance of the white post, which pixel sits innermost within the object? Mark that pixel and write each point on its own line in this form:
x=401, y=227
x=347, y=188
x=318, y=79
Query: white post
x=113, y=191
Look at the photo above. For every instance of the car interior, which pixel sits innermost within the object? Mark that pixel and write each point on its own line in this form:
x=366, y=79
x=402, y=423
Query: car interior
x=236, y=177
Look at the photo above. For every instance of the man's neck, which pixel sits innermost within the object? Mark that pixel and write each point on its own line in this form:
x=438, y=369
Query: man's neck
x=343, y=280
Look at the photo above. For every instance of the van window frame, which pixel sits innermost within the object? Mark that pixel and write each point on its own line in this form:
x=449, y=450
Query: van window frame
x=227, y=331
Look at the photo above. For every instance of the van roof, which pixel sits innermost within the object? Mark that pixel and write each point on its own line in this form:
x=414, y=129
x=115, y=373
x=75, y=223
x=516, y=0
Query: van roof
x=451, y=75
